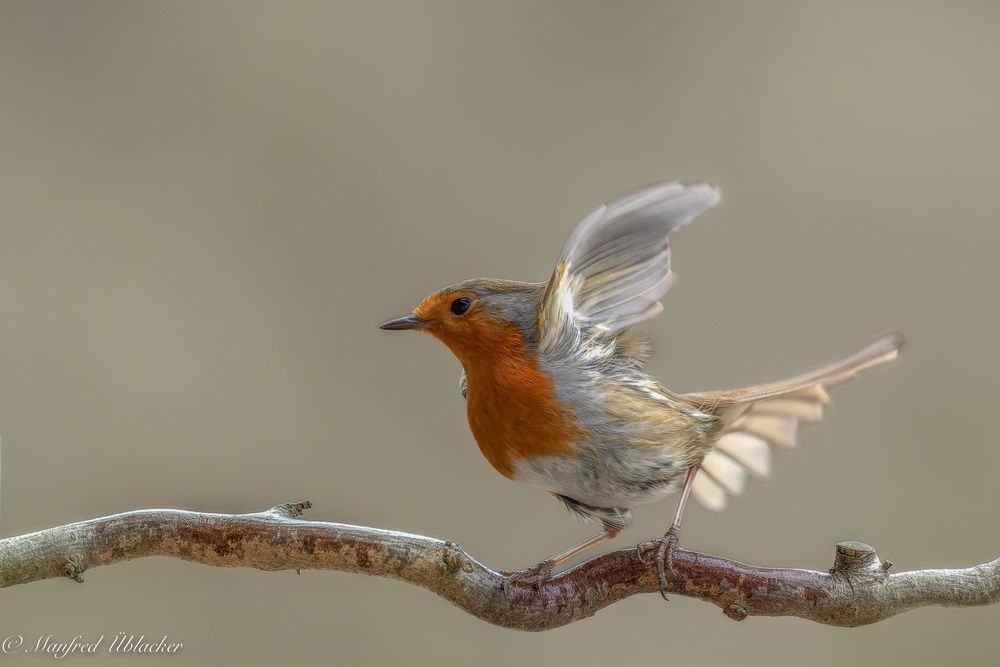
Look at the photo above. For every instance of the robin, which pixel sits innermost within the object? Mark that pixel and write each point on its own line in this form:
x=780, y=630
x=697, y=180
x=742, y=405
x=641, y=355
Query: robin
x=557, y=397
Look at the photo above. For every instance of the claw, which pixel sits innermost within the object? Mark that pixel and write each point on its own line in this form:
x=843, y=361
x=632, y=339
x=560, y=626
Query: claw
x=535, y=575
x=665, y=559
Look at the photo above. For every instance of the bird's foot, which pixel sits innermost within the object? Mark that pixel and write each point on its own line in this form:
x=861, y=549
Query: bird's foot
x=536, y=575
x=664, y=557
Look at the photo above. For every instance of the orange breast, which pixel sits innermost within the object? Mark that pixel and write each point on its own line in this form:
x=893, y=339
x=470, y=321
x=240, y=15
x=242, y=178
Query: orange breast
x=511, y=404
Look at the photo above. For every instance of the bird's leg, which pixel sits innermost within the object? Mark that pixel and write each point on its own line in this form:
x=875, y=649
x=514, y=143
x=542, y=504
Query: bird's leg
x=538, y=574
x=665, y=554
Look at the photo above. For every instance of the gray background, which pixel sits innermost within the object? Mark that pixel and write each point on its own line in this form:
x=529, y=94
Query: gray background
x=207, y=209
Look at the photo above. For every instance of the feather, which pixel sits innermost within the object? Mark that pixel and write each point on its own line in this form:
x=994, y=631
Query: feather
x=634, y=347
x=778, y=431
x=748, y=450
x=758, y=418
x=879, y=351
x=725, y=471
x=708, y=492
x=615, y=266
x=803, y=411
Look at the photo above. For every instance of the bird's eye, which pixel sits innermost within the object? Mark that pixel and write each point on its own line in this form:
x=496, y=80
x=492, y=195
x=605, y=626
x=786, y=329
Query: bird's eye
x=460, y=305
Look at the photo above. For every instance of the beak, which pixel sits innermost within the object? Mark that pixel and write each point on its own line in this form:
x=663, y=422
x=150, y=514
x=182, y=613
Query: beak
x=407, y=322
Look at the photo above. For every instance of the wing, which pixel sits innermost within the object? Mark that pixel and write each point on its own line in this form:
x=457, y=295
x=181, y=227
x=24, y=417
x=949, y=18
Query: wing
x=616, y=265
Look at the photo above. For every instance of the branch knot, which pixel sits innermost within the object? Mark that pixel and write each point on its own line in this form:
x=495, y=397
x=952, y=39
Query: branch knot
x=455, y=559
x=75, y=568
x=856, y=558
x=736, y=611
x=290, y=510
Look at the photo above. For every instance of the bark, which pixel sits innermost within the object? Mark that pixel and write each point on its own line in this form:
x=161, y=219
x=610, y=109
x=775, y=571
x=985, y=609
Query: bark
x=858, y=589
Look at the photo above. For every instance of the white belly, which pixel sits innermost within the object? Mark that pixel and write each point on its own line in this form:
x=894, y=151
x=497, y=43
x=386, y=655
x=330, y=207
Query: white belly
x=623, y=479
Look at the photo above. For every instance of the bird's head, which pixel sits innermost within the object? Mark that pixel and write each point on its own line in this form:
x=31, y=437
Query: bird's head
x=478, y=317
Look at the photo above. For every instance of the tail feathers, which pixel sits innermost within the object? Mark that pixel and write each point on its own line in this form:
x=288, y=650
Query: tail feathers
x=759, y=418
x=879, y=351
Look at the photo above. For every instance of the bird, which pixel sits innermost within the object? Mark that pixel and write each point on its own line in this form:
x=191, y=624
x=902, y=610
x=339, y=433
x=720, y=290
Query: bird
x=556, y=393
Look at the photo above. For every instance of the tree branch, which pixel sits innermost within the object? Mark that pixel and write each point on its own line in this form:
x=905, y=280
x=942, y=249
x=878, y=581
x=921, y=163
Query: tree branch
x=858, y=590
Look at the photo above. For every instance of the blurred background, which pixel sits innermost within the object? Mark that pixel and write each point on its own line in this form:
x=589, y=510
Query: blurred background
x=207, y=209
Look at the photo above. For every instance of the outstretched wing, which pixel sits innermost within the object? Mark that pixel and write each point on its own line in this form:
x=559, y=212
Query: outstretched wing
x=616, y=265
